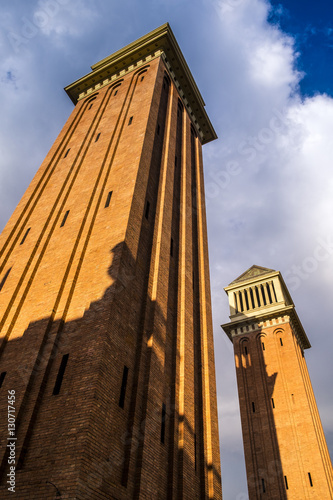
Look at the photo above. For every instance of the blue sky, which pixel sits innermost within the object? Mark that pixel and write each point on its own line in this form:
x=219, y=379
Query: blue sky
x=265, y=72
x=312, y=27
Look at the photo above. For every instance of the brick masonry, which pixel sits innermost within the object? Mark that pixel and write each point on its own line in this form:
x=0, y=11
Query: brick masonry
x=282, y=433
x=109, y=289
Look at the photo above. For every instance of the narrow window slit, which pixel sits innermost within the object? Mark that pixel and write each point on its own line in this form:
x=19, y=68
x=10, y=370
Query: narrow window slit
x=245, y=349
x=91, y=105
x=2, y=378
x=64, y=219
x=115, y=92
x=130, y=120
x=258, y=298
x=310, y=479
x=60, y=376
x=24, y=237
x=241, y=302
x=4, y=279
x=147, y=210
x=98, y=136
x=263, y=346
x=68, y=150
x=252, y=299
x=269, y=293
x=142, y=78
x=108, y=199
x=281, y=341
x=263, y=485
x=253, y=408
x=123, y=388
x=163, y=423
x=273, y=404
x=263, y=295
x=286, y=482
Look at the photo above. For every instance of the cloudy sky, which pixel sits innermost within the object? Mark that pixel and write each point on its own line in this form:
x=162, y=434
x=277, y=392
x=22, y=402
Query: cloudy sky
x=265, y=71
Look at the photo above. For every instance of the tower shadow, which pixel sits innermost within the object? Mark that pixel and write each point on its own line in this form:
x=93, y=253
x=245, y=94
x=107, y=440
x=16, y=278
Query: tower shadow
x=72, y=431
x=256, y=386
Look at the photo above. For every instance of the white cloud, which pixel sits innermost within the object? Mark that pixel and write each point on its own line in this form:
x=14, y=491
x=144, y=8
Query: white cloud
x=273, y=207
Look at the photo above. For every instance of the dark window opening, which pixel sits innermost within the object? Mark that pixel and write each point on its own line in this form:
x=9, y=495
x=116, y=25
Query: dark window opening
x=60, y=376
x=91, y=105
x=263, y=485
x=68, y=150
x=147, y=210
x=130, y=120
x=263, y=346
x=252, y=298
x=4, y=279
x=258, y=298
x=163, y=423
x=263, y=294
x=274, y=292
x=171, y=247
x=142, y=79
x=115, y=92
x=246, y=300
x=158, y=129
x=24, y=237
x=253, y=407
x=269, y=293
x=123, y=388
x=2, y=378
x=241, y=302
x=64, y=219
x=108, y=199
x=273, y=404
x=245, y=350
x=286, y=482
x=281, y=341
x=310, y=479
x=98, y=136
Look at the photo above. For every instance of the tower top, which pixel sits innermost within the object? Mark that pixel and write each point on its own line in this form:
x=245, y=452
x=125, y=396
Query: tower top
x=253, y=272
x=259, y=295
x=160, y=42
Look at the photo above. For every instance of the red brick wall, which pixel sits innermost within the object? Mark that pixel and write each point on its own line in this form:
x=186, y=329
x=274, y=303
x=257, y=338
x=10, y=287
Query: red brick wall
x=105, y=289
x=283, y=436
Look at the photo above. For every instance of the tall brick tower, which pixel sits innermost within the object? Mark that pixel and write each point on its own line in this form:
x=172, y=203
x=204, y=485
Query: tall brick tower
x=285, y=449
x=106, y=331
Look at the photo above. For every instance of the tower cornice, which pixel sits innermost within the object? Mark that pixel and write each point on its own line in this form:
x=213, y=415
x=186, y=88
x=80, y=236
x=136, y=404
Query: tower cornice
x=243, y=324
x=157, y=43
x=259, y=298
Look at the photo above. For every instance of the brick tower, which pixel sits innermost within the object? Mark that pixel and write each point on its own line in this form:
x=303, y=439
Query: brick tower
x=106, y=331
x=285, y=449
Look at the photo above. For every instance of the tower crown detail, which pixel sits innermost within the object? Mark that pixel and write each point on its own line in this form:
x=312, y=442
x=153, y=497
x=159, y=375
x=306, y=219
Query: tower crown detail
x=258, y=295
x=160, y=42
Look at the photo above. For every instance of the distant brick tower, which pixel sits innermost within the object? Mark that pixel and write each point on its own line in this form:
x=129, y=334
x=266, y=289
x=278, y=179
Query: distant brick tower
x=106, y=331
x=285, y=449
